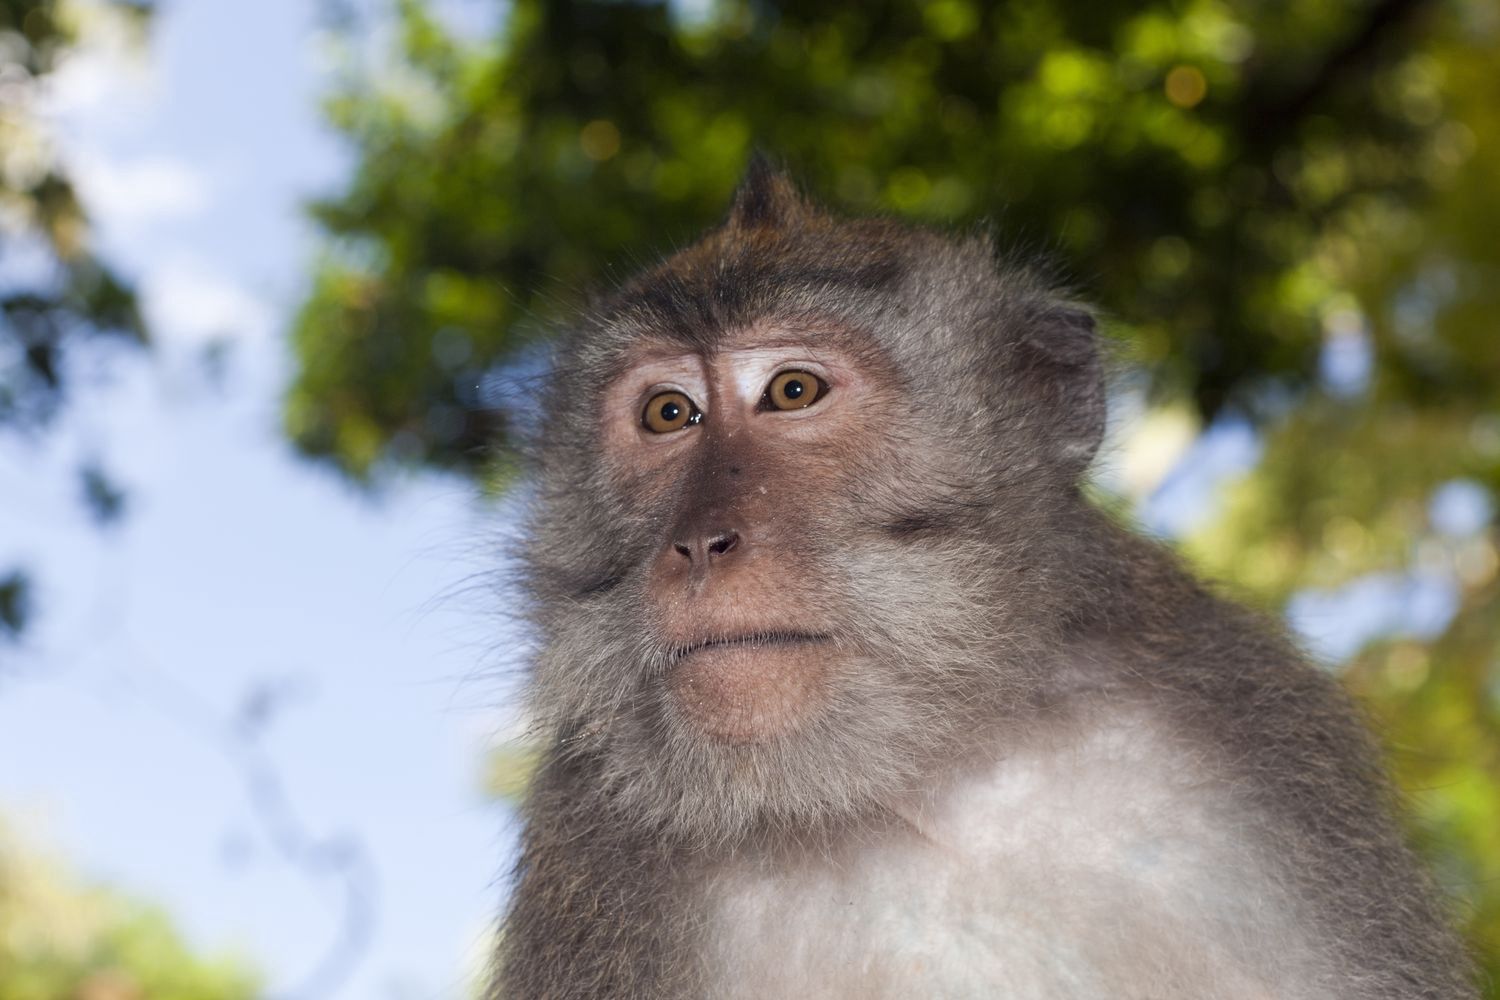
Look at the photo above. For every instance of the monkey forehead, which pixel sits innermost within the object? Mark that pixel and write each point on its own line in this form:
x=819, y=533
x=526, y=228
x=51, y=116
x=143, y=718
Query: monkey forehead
x=823, y=273
x=730, y=279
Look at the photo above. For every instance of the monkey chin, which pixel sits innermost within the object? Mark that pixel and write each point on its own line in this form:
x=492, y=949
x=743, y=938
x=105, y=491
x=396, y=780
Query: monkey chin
x=752, y=690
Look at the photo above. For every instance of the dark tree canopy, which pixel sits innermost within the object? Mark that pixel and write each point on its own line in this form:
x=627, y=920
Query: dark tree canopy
x=1214, y=174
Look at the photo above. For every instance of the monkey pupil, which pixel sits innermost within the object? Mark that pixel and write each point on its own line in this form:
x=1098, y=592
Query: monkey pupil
x=669, y=411
x=793, y=389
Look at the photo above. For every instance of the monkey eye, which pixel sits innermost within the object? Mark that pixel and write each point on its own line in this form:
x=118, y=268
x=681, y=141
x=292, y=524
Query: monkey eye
x=670, y=411
x=793, y=390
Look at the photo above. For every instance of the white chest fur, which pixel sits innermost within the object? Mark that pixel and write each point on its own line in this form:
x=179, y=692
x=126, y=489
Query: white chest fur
x=1110, y=864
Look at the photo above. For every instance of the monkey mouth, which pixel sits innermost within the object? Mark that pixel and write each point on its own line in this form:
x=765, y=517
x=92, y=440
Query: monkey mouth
x=750, y=639
x=752, y=687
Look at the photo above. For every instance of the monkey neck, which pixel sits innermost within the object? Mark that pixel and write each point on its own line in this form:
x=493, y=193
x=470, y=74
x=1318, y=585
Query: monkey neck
x=1105, y=580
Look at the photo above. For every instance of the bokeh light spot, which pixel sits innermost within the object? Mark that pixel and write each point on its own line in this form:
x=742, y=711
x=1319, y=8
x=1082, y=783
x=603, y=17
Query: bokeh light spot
x=600, y=139
x=1185, y=86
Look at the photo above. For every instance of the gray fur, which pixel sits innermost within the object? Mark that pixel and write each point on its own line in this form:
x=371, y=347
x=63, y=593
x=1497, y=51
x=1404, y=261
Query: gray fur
x=969, y=569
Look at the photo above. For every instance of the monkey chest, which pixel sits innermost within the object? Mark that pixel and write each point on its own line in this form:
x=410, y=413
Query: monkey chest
x=1106, y=868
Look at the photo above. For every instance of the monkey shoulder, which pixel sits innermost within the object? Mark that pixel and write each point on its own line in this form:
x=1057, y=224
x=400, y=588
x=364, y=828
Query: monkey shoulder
x=596, y=909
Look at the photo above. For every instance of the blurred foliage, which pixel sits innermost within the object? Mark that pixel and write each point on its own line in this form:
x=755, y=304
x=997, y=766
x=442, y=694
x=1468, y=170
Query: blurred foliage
x=15, y=597
x=1216, y=174
x=66, y=294
x=1289, y=210
x=59, y=939
x=55, y=294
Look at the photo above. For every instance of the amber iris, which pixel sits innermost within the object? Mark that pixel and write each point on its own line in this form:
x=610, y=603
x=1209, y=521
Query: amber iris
x=794, y=390
x=669, y=411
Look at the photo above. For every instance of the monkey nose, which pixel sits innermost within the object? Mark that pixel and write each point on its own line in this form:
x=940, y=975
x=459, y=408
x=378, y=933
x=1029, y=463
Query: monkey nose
x=701, y=549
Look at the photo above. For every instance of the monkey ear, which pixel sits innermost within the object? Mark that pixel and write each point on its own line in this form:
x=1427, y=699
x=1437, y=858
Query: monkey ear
x=766, y=197
x=1060, y=357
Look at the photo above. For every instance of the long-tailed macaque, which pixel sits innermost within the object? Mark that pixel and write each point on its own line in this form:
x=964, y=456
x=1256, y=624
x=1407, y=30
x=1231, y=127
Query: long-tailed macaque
x=849, y=692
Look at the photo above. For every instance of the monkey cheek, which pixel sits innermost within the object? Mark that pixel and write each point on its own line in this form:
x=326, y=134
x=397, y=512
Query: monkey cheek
x=751, y=693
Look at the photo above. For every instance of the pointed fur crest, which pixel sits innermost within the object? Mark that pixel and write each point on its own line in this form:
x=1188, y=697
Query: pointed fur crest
x=766, y=197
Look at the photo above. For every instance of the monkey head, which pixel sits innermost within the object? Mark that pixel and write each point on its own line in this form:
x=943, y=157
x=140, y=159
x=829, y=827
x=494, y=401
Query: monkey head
x=798, y=495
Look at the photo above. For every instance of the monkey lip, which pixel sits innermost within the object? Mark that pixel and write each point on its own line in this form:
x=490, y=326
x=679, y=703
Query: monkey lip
x=752, y=640
x=750, y=688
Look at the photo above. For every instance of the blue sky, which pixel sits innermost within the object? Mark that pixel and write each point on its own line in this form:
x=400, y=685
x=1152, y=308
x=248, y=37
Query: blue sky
x=240, y=569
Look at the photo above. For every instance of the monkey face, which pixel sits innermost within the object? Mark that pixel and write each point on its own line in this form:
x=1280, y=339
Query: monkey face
x=759, y=474
x=738, y=453
x=789, y=539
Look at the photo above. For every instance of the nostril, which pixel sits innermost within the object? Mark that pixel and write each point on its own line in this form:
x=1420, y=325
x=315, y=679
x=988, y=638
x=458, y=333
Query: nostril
x=699, y=550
